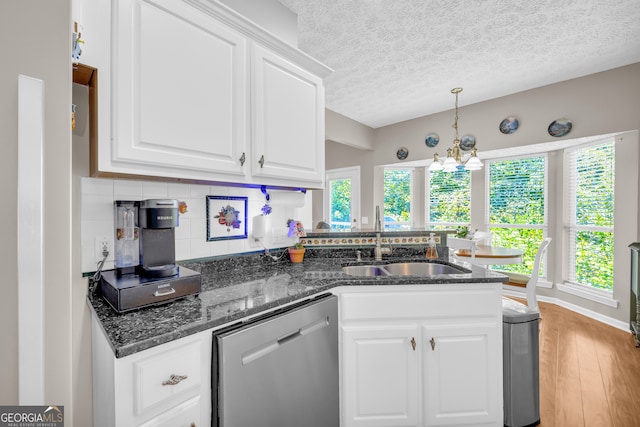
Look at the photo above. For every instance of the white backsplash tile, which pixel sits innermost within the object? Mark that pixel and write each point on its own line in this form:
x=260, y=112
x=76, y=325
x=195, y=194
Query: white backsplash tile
x=154, y=190
x=126, y=189
x=97, y=210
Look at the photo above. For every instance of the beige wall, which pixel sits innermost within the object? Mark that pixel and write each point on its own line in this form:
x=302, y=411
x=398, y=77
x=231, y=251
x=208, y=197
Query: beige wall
x=35, y=41
x=598, y=104
x=339, y=156
x=344, y=130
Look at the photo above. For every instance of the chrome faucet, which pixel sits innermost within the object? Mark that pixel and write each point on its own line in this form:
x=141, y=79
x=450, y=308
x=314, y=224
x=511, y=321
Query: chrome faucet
x=379, y=249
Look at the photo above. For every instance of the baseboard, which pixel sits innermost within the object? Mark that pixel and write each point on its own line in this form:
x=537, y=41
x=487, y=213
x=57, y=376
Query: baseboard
x=618, y=324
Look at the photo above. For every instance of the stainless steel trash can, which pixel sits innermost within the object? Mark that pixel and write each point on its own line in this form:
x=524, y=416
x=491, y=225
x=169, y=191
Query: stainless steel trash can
x=521, y=376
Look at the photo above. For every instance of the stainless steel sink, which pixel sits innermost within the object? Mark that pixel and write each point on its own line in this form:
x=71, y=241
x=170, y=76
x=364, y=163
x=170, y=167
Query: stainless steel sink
x=403, y=269
x=365, y=270
x=422, y=269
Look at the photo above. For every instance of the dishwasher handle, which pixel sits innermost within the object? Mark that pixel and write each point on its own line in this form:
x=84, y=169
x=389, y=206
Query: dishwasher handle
x=289, y=337
x=271, y=346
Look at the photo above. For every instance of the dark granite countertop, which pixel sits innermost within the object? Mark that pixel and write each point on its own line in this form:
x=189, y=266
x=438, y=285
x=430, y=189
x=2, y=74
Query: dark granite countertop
x=241, y=286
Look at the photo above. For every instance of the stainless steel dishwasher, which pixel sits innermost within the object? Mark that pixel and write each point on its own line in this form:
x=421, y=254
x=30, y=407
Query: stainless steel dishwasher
x=280, y=370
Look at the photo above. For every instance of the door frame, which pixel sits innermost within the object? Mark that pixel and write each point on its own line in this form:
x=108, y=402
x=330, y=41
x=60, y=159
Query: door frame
x=353, y=173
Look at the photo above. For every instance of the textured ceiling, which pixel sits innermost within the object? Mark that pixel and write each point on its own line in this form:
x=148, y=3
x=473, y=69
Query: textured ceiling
x=395, y=60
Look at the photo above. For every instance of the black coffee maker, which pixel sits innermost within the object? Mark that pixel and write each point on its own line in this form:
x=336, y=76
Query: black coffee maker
x=145, y=257
x=145, y=237
x=158, y=219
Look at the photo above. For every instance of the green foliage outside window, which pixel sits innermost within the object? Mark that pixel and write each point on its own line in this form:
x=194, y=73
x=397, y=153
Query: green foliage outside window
x=341, y=203
x=592, y=169
x=594, y=259
x=516, y=199
x=449, y=197
x=397, y=194
x=527, y=239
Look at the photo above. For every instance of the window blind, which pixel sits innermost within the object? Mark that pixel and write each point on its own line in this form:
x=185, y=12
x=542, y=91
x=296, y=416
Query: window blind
x=515, y=210
x=591, y=181
x=449, y=197
x=517, y=191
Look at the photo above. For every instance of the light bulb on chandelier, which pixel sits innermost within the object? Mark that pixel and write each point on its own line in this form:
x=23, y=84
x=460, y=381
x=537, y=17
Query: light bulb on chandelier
x=455, y=154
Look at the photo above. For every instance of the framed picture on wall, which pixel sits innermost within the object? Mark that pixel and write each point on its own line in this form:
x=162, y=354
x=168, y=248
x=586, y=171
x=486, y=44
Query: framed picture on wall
x=226, y=217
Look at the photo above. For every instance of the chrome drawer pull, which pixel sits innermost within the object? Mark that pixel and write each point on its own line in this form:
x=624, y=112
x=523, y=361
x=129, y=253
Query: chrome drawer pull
x=174, y=379
x=161, y=293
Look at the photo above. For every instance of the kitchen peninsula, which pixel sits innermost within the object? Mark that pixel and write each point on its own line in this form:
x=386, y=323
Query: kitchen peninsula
x=430, y=323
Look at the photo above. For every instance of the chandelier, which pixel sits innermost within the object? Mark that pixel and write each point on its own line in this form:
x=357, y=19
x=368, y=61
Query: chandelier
x=455, y=155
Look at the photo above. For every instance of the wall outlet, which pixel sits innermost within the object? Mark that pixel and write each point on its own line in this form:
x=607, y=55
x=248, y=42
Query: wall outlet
x=103, y=243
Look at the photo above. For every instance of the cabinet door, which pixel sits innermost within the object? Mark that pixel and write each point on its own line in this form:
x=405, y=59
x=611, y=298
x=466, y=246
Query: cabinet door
x=179, y=91
x=461, y=378
x=184, y=415
x=288, y=120
x=380, y=376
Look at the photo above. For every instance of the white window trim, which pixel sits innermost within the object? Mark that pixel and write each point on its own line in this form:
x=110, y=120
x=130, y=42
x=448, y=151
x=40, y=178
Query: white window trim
x=352, y=173
x=601, y=296
x=545, y=225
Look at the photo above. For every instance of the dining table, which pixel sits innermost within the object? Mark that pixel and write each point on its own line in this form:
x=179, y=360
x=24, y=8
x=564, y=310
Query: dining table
x=491, y=255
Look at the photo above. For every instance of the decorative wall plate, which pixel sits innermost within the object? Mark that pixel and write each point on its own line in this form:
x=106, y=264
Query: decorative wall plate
x=226, y=217
x=432, y=140
x=467, y=142
x=509, y=125
x=560, y=127
x=402, y=153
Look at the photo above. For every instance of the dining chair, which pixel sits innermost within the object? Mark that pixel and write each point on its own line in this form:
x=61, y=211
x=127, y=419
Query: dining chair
x=456, y=243
x=530, y=282
x=532, y=301
x=482, y=237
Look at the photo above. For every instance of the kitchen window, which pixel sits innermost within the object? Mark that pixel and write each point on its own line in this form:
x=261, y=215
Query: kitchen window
x=397, y=198
x=448, y=199
x=516, y=211
x=590, y=215
x=342, y=198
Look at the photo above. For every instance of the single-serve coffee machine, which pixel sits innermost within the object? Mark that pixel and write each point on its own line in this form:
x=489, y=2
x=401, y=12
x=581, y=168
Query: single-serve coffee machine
x=145, y=265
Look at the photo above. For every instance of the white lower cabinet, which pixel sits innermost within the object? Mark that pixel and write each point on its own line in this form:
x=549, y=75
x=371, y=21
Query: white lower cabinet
x=459, y=375
x=167, y=385
x=421, y=356
x=185, y=415
x=380, y=375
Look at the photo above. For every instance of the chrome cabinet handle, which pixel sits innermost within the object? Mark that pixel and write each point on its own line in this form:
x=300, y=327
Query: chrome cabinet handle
x=174, y=379
x=161, y=293
x=242, y=159
x=413, y=343
x=261, y=161
x=433, y=343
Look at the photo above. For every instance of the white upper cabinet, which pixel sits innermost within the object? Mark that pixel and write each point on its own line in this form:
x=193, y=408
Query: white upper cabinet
x=198, y=92
x=288, y=132
x=179, y=100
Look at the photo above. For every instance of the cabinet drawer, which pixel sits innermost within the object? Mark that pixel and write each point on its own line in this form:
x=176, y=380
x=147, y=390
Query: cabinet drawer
x=186, y=414
x=168, y=377
x=467, y=302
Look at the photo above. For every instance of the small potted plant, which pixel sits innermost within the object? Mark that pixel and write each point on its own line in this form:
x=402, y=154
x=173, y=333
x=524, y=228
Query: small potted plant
x=296, y=252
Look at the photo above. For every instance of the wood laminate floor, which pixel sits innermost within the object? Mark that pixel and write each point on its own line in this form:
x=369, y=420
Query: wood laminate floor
x=589, y=372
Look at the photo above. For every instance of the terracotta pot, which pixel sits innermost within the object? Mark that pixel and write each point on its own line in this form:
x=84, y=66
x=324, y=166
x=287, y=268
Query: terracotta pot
x=296, y=255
